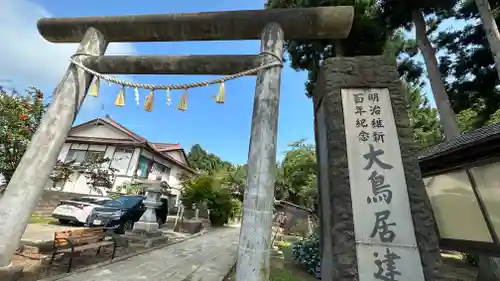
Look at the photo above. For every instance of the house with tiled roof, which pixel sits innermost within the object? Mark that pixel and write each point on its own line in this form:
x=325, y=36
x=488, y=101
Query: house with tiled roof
x=131, y=155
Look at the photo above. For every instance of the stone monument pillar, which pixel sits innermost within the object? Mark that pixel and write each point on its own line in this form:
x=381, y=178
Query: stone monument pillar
x=146, y=229
x=148, y=223
x=376, y=219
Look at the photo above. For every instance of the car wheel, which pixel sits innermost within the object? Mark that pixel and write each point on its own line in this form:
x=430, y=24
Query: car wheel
x=61, y=221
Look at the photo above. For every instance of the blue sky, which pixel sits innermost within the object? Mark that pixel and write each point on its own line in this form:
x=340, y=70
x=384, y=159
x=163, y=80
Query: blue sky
x=221, y=129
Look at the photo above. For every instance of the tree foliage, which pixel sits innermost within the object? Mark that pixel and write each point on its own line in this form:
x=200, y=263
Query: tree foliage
x=423, y=118
x=20, y=116
x=297, y=176
x=398, y=13
x=209, y=189
x=203, y=161
x=367, y=37
x=468, y=64
x=61, y=173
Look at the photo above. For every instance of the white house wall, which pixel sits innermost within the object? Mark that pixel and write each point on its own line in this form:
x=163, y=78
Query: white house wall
x=133, y=162
x=177, y=155
x=77, y=183
x=175, y=174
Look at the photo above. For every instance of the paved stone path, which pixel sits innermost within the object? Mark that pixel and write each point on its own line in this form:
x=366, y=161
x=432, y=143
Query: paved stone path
x=205, y=258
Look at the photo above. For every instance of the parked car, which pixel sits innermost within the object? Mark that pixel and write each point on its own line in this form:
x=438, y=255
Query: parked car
x=121, y=213
x=77, y=209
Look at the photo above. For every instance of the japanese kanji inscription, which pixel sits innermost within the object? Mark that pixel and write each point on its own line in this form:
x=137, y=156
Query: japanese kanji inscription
x=385, y=240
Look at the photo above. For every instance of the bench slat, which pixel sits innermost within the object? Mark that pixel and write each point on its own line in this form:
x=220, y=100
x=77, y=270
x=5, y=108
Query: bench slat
x=88, y=246
x=77, y=242
x=79, y=232
x=79, y=237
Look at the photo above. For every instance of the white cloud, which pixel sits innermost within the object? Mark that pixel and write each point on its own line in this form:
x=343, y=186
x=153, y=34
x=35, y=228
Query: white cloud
x=26, y=59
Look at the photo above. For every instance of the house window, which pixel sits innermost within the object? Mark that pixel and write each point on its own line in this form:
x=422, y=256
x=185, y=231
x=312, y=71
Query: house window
x=121, y=160
x=79, y=156
x=161, y=171
x=144, y=167
x=94, y=155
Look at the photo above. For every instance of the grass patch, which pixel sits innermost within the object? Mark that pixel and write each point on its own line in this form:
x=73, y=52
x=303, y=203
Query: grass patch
x=36, y=218
x=282, y=267
x=286, y=248
x=283, y=274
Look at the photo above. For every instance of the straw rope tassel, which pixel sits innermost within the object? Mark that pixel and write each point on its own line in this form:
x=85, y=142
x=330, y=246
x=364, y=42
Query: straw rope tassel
x=183, y=102
x=136, y=92
x=94, y=90
x=169, y=98
x=221, y=96
x=120, y=99
x=148, y=104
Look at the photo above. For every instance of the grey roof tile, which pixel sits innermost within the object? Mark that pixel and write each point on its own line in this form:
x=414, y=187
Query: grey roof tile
x=462, y=140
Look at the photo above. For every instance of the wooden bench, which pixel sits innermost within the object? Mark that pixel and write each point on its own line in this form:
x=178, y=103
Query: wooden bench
x=73, y=241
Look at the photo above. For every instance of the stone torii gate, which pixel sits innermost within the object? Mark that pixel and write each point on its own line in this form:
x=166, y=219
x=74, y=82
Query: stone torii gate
x=272, y=27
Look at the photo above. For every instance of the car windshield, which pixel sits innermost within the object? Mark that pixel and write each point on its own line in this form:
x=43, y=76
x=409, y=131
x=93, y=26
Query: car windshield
x=124, y=202
x=102, y=201
x=91, y=200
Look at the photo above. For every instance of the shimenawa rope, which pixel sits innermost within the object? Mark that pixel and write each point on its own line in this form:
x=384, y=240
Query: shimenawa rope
x=111, y=79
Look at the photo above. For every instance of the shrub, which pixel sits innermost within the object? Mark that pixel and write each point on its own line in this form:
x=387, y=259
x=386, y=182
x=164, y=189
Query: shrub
x=208, y=189
x=220, y=206
x=306, y=253
x=20, y=116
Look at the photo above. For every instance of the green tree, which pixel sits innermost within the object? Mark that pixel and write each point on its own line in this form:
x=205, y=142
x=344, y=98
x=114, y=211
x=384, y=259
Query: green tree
x=20, y=116
x=235, y=179
x=368, y=36
x=423, y=118
x=494, y=118
x=401, y=13
x=298, y=174
x=61, y=173
x=98, y=173
x=201, y=160
x=468, y=62
x=210, y=190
